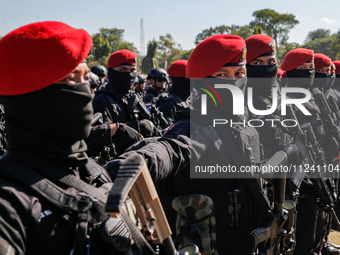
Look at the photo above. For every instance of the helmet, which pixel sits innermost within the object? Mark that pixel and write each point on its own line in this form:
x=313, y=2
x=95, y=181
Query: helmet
x=99, y=70
x=158, y=73
x=140, y=79
x=94, y=80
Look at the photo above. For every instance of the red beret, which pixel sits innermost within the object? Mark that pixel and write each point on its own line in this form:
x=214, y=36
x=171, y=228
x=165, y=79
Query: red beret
x=337, y=66
x=178, y=68
x=213, y=53
x=280, y=72
x=37, y=55
x=258, y=45
x=297, y=57
x=321, y=60
x=121, y=57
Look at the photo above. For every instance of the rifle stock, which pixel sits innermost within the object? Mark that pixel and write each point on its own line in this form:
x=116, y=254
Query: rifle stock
x=133, y=179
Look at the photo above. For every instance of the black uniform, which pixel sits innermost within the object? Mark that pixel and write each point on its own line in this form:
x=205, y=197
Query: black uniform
x=153, y=97
x=168, y=160
x=176, y=101
x=116, y=104
x=312, y=222
x=43, y=210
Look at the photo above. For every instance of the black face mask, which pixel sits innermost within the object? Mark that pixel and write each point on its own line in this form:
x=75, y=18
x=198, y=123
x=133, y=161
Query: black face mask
x=225, y=95
x=51, y=122
x=301, y=78
x=262, y=78
x=180, y=87
x=337, y=80
x=322, y=81
x=122, y=81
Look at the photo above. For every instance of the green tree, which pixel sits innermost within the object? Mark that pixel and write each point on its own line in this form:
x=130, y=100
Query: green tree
x=274, y=24
x=168, y=50
x=317, y=34
x=336, y=45
x=243, y=31
x=206, y=33
x=187, y=54
x=107, y=41
x=101, y=47
x=324, y=46
x=284, y=49
x=147, y=63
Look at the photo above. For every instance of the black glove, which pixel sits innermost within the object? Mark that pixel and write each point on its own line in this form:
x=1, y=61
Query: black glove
x=145, y=127
x=124, y=137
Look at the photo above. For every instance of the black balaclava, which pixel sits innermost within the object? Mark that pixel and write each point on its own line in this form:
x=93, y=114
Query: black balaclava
x=337, y=80
x=51, y=123
x=121, y=81
x=301, y=78
x=322, y=81
x=225, y=95
x=180, y=87
x=267, y=81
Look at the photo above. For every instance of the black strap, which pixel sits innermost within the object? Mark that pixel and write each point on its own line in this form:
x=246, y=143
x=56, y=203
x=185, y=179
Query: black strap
x=53, y=172
x=194, y=230
x=139, y=239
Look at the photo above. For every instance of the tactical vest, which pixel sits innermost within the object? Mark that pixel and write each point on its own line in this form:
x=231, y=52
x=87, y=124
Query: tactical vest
x=78, y=204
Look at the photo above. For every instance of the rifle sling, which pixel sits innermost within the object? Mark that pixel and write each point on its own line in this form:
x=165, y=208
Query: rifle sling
x=137, y=236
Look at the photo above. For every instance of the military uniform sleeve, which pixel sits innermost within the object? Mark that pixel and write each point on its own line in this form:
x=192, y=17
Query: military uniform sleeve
x=100, y=104
x=99, y=137
x=168, y=109
x=168, y=154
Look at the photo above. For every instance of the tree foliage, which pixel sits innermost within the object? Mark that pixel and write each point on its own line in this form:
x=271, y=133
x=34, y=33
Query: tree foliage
x=243, y=31
x=284, y=49
x=324, y=46
x=336, y=45
x=107, y=41
x=168, y=50
x=274, y=24
x=206, y=33
x=187, y=54
x=317, y=34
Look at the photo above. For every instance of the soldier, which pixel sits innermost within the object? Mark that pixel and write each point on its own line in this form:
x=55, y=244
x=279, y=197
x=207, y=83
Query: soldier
x=312, y=222
x=262, y=72
x=222, y=57
x=116, y=103
x=176, y=101
x=281, y=77
x=158, y=79
x=94, y=82
x=48, y=114
x=323, y=74
x=140, y=86
x=336, y=86
x=101, y=72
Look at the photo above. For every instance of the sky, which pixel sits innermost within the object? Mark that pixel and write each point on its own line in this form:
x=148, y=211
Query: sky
x=180, y=18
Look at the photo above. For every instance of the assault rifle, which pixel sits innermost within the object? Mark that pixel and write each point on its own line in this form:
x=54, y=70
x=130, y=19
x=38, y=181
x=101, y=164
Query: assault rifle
x=133, y=179
x=107, y=153
x=154, y=115
x=297, y=151
x=334, y=108
x=323, y=186
x=309, y=152
x=277, y=237
x=326, y=114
